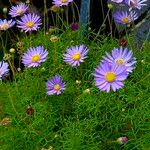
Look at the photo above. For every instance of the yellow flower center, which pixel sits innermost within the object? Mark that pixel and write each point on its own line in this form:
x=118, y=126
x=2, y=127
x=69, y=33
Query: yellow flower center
x=64, y=1
x=4, y=26
x=120, y=61
x=19, y=11
x=35, y=58
x=110, y=76
x=57, y=87
x=76, y=56
x=126, y=19
x=29, y=24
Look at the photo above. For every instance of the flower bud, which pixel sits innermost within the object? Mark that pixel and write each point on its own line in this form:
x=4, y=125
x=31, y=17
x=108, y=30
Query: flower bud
x=110, y=6
x=122, y=140
x=54, y=38
x=5, y=10
x=29, y=111
x=12, y=50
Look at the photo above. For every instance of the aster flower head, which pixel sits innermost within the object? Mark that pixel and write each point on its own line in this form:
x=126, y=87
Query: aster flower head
x=34, y=56
x=122, y=140
x=136, y=3
x=29, y=22
x=3, y=69
x=75, y=55
x=109, y=76
x=4, y=24
x=125, y=17
x=55, y=85
x=61, y=2
x=121, y=57
x=117, y=1
x=18, y=10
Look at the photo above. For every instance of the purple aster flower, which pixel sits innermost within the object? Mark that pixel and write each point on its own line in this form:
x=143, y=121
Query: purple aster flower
x=136, y=3
x=109, y=76
x=125, y=17
x=29, y=22
x=4, y=24
x=18, y=10
x=34, y=56
x=3, y=69
x=61, y=2
x=121, y=57
x=55, y=85
x=75, y=55
x=117, y=1
x=122, y=140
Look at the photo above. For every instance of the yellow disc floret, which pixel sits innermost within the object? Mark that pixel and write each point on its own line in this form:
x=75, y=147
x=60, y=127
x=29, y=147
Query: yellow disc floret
x=19, y=11
x=120, y=61
x=57, y=87
x=110, y=76
x=76, y=56
x=35, y=58
x=64, y=1
x=29, y=24
x=126, y=19
x=4, y=26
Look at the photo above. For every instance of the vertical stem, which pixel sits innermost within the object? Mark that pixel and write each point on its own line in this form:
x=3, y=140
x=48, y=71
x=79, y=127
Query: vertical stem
x=45, y=11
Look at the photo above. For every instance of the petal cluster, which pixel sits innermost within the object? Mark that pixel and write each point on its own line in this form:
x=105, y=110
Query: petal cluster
x=136, y=3
x=55, y=85
x=61, y=2
x=34, y=56
x=6, y=24
x=3, y=69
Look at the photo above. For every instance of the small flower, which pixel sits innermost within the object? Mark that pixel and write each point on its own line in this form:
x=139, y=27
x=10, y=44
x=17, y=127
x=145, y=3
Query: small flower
x=4, y=24
x=54, y=38
x=29, y=111
x=136, y=3
x=29, y=22
x=34, y=56
x=18, y=10
x=78, y=82
x=87, y=91
x=55, y=8
x=74, y=26
x=12, y=50
x=123, y=42
x=117, y=1
x=109, y=76
x=3, y=69
x=18, y=69
x=61, y=2
x=5, y=121
x=125, y=17
x=75, y=55
x=55, y=85
x=122, y=140
x=121, y=57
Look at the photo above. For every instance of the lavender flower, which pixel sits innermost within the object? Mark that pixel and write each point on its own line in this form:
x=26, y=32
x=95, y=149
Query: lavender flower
x=4, y=24
x=136, y=3
x=18, y=10
x=75, y=55
x=3, y=69
x=29, y=22
x=121, y=57
x=55, y=85
x=125, y=17
x=122, y=140
x=117, y=1
x=109, y=76
x=61, y=2
x=34, y=56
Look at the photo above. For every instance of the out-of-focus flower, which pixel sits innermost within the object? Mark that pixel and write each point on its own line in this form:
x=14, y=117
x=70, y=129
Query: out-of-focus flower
x=4, y=24
x=34, y=56
x=125, y=17
x=74, y=26
x=30, y=111
x=3, y=69
x=5, y=10
x=18, y=10
x=136, y=3
x=54, y=38
x=109, y=76
x=55, y=8
x=122, y=140
x=61, y=2
x=12, y=50
x=78, y=81
x=29, y=22
x=5, y=121
x=7, y=56
x=18, y=69
x=121, y=57
x=117, y=1
x=87, y=91
x=75, y=55
x=123, y=42
x=55, y=85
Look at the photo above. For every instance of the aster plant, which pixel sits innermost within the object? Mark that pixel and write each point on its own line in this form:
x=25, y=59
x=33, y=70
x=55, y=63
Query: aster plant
x=29, y=22
x=62, y=2
x=75, y=55
x=55, y=85
x=18, y=10
x=125, y=17
x=34, y=56
x=109, y=76
x=6, y=24
x=121, y=57
x=3, y=69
